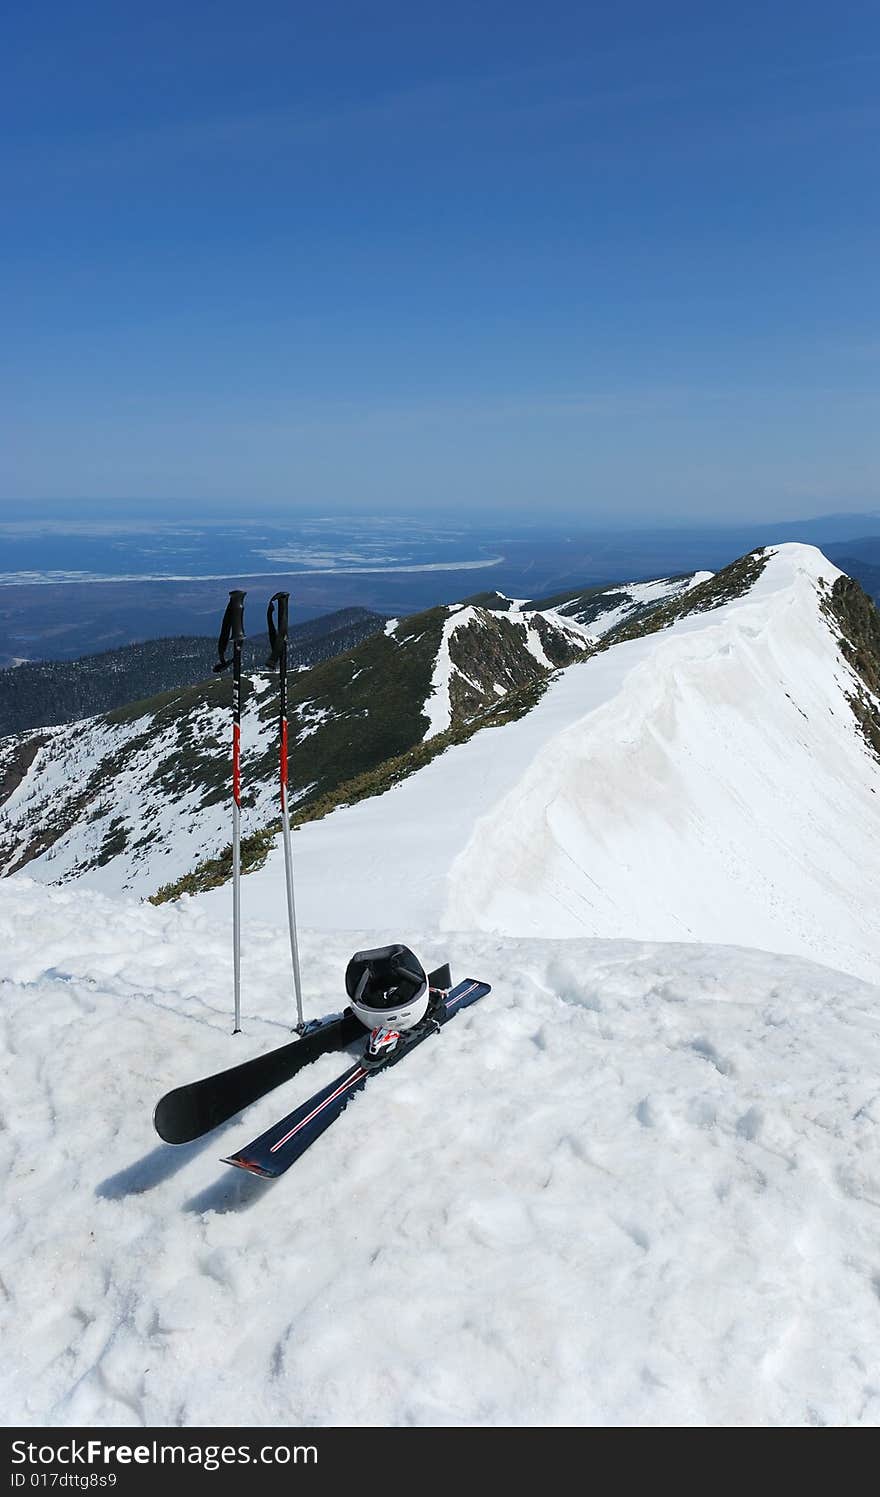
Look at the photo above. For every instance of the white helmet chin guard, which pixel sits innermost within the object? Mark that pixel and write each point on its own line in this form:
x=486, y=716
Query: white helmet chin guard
x=387, y=987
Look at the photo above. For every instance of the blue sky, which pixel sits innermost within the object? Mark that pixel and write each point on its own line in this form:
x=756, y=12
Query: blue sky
x=608, y=260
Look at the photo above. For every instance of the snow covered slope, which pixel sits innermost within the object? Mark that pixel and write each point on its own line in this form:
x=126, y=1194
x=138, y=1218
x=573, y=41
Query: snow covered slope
x=708, y=782
x=600, y=610
x=638, y=1186
x=134, y=799
x=484, y=655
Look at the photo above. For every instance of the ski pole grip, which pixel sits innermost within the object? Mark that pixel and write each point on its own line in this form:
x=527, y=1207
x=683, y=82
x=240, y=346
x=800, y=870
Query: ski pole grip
x=231, y=628
x=236, y=608
x=277, y=631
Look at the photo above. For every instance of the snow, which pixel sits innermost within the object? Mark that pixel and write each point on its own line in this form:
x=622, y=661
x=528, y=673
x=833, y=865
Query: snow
x=533, y=643
x=640, y=595
x=438, y=708
x=704, y=783
x=515, y=603
x=312, y=717
x=166, y=836
x=132, y=837
x=636, y=1185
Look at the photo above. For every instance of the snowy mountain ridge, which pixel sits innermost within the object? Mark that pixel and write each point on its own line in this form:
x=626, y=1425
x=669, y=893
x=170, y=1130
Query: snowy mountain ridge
x=136, y=798
x=713, y=778
x=582, y=619
x=601, y=611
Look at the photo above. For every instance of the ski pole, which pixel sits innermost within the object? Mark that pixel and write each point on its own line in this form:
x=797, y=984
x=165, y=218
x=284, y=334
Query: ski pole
x=278, y=656
x=233, y=627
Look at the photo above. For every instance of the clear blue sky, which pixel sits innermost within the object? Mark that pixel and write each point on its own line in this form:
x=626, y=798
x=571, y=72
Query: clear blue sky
x=616, y=259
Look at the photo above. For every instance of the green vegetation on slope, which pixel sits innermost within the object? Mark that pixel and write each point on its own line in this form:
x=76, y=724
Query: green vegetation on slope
x=214, y=872
x=49, y=692
x=859, y=632
x=730, y=583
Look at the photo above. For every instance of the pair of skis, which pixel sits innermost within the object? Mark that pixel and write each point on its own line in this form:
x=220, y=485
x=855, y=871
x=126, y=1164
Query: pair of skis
x=232, y=628
x=190, y=1111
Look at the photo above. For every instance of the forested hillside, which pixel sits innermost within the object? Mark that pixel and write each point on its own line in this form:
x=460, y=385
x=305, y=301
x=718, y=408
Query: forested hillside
x=44, y=693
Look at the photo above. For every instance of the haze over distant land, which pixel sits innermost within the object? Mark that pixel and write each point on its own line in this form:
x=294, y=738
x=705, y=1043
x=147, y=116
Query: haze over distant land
x=73, y=587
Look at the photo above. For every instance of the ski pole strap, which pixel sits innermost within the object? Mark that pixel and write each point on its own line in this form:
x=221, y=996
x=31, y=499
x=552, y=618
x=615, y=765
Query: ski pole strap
x=277, y=632
x=231, y=628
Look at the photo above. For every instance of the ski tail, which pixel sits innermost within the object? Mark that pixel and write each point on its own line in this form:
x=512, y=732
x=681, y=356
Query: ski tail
x=441, y=980
x=189, y=1111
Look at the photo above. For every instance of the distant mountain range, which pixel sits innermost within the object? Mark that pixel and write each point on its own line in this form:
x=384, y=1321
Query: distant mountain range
x=859, y=559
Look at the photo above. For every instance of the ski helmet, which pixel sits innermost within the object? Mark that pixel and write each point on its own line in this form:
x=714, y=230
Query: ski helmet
x=387, y=987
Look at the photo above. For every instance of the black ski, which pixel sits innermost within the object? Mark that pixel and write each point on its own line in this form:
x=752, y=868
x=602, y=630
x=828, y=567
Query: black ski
x=281, y=1145
x=189, y=1111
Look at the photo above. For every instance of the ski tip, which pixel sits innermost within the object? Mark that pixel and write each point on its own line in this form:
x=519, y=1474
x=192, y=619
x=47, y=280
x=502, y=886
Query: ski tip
x=245, y=1164
x=469, y=983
